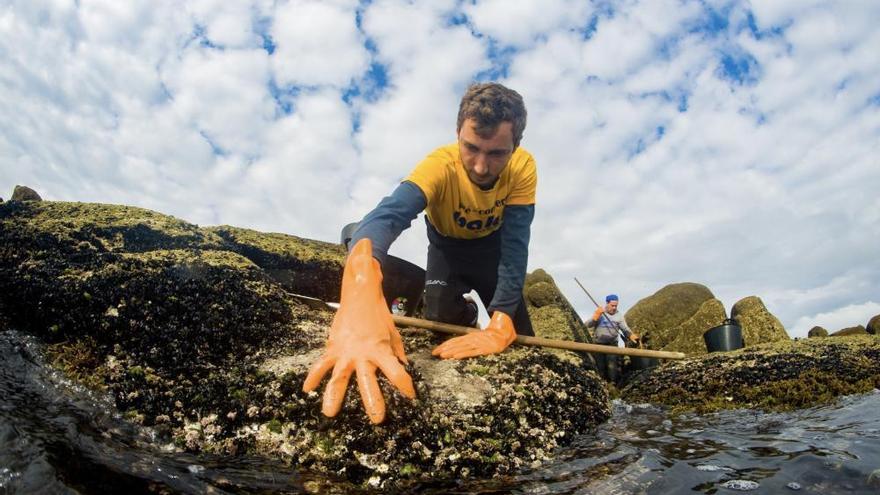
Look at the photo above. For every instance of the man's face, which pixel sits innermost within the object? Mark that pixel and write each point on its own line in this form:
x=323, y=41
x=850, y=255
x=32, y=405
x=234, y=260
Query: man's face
x=485, y=158
x=611, y=307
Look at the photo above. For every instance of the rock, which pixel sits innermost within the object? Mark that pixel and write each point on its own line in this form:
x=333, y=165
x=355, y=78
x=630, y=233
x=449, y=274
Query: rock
x=817, y=332
x=657, y=317
x=24, y=193
x=774, y=376
x=688, y=336
x=184, y=328
x=873, y=325
x=302, y=266
x=553, y=317
x=857, y=330
x=758, y=324
x=536, y=276
x=542, y=294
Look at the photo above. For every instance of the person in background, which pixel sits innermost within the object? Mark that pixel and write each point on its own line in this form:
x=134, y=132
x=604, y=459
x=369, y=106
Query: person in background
x=607, y=324
x=478, y=194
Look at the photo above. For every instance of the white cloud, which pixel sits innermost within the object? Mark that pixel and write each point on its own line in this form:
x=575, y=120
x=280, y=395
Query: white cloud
x=317, y=43
x=520, y=23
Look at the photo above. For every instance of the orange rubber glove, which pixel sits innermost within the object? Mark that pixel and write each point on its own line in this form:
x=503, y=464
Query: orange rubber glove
x=496, y=337
x=598, y=313
x=634, y=337
x=362, y=338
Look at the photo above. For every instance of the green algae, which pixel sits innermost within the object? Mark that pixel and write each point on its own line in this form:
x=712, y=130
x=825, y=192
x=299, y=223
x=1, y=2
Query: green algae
x=775, y=376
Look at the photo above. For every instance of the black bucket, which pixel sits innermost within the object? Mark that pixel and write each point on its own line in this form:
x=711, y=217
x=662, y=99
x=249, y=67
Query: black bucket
x=725, y=337
x=403, y=283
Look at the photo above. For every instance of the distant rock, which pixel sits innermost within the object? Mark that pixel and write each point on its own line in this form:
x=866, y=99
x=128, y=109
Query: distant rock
x=24, y=193
x=658, y=318
x=856, y=330
x=774, y=376
x=553, y=317
x=817, y=331
x=758, y=324
x=873, y=325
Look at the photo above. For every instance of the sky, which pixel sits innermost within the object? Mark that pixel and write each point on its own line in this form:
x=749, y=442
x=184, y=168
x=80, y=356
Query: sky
x=727, y=143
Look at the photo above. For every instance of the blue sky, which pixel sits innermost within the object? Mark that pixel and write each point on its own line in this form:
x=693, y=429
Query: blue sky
x=728, y=143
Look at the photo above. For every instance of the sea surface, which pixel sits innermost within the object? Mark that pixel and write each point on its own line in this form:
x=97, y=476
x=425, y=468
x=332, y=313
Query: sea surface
x=57, y=437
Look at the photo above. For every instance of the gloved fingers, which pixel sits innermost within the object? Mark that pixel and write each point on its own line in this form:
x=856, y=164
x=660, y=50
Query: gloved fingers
x=316, y=373
x=397, y=375
x=477, y=342
x=371, y=395
x=334, y=392
x=468, y=353
x=446, y=345
x=397, y=345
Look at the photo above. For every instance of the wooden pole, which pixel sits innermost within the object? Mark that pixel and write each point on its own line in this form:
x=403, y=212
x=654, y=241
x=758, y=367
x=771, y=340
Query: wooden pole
x=436, y=326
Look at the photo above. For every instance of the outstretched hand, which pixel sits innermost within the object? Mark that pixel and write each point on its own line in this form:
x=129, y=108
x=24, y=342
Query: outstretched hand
x=362, y=338
x=496, y=337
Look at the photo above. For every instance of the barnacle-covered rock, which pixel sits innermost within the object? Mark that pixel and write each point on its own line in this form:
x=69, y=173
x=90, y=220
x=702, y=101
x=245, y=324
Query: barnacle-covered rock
x=190, y=333
x=688, y=336
x=553, y=317
x=817, y=331
x=758, y=324
x=657, y=317
x=873, y=325
x=856, y=330
x=780, y=375
x=24, y=193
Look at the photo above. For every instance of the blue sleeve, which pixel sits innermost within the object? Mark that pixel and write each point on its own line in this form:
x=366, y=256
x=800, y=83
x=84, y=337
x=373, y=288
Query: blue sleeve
x=393, y=215
x=515, y=232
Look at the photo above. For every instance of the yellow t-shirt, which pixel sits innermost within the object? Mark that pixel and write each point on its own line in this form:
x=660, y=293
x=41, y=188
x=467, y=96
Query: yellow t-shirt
x=457, y=207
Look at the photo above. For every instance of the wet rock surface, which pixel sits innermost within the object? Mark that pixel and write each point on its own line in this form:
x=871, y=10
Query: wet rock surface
x=192, y=335
x=774, y=376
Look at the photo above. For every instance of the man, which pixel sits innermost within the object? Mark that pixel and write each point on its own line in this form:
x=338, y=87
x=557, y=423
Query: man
x=608, y=323
x=479, y=196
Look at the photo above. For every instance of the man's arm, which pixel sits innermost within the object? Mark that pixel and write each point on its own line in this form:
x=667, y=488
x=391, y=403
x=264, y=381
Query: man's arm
x=393, y=215
x=515, y=233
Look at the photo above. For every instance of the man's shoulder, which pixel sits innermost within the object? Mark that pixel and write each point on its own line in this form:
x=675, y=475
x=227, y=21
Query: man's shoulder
x=447, y=152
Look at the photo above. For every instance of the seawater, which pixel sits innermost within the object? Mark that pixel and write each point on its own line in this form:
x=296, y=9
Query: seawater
x=57, y=437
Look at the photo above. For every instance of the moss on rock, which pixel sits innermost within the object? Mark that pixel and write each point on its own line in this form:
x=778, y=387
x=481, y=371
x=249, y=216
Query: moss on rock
x=817, y=332
x=873, y=325
x=856, y=330
x=688, y=336
x=542, y=294
x=774, y=376
x=303, y=266
x=553, y=317
x=657, y=317
x=758, y=324
x=25, y=193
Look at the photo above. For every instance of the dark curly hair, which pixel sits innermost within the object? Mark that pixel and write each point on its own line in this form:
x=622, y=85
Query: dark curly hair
x=490, y=104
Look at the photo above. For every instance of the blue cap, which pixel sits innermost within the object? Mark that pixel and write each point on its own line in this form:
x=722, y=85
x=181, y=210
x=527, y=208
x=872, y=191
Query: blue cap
x=611, y=297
